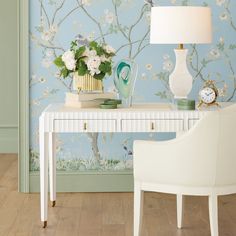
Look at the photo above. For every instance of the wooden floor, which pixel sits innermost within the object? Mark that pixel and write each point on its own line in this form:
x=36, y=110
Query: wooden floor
x=103, y=214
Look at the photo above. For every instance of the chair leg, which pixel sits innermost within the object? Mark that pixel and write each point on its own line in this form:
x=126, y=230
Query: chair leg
x=213, y=214
x=138, y=208
x=179, y=201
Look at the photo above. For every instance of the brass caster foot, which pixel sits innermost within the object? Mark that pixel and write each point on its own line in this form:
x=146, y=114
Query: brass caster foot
x=44, y=224
x=53, y=203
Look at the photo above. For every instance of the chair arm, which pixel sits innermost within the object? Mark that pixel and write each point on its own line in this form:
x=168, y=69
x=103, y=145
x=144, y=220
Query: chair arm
x=186, y=160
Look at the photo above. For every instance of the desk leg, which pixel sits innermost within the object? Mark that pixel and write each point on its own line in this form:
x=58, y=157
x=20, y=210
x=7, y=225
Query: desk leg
x=43, y=143
x=180, y=198
x=52, y=168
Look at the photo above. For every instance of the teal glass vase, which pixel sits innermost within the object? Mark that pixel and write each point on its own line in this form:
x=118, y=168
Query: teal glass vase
x=125, y=75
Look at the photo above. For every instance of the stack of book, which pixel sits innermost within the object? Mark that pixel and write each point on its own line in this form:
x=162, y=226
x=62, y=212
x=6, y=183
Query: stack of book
x=87, y=100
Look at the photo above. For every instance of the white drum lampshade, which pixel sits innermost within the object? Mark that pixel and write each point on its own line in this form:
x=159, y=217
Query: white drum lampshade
x=181, y=25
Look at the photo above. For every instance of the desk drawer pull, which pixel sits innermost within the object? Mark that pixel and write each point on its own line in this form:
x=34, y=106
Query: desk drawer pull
x=152, y=126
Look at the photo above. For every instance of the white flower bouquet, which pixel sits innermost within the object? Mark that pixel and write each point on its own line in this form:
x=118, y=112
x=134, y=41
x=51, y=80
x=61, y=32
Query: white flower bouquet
x=88, y=59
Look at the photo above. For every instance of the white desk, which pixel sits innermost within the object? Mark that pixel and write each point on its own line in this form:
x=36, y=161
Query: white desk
x=57, y=118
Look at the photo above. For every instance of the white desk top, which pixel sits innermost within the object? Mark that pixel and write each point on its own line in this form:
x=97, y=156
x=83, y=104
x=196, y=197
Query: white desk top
x=60, y=107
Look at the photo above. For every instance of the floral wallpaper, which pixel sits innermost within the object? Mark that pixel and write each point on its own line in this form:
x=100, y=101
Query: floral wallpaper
x=124, y=24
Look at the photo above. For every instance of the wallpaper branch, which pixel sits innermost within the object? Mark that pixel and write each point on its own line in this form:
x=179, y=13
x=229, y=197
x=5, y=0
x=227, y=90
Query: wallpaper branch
x=124, y=24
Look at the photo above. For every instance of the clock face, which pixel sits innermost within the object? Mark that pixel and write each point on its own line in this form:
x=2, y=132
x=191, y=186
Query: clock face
x=207, y=95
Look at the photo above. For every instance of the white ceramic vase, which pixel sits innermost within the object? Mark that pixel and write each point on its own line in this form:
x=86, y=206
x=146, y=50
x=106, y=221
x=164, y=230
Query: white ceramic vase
x=180, y=81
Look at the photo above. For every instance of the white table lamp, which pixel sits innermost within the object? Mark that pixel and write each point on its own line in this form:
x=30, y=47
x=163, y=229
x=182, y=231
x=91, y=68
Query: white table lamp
x=181, y=25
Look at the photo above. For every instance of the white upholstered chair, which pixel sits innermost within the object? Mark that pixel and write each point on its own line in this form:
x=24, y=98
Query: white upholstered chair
x=200, y=162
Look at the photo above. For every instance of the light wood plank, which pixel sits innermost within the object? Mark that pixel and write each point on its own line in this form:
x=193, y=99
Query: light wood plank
x=104, y=214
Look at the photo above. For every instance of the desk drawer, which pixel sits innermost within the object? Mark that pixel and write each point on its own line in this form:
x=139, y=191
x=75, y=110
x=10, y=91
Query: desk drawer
x=167, y=125
x=84, y=125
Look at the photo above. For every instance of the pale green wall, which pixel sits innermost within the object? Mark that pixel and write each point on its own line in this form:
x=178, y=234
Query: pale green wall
x=8, y=76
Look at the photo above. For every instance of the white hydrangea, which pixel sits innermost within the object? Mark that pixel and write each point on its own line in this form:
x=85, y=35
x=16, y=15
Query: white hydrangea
x=93, y=64
x=68, y=55
x=90, y=53
x=109, y=49
x=69, y=59
x=104, y=58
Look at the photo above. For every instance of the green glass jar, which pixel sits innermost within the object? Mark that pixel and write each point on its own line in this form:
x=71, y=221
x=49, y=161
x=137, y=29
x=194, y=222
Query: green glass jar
x=185, y=104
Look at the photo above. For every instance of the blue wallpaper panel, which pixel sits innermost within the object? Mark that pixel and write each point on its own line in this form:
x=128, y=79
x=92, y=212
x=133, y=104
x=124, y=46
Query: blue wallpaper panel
x=124, y=24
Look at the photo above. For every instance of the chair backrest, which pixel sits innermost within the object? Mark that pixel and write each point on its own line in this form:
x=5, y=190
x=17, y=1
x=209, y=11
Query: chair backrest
x=204, y=156
x=226, y=161
x=218, y=140
x=216, y=136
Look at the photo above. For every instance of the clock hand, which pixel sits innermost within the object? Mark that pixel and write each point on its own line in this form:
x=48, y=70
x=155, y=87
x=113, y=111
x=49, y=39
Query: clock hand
x=209, y=93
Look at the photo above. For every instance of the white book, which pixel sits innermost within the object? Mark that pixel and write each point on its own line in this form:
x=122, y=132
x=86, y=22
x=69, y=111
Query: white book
x=88, y=96
x=84, y=104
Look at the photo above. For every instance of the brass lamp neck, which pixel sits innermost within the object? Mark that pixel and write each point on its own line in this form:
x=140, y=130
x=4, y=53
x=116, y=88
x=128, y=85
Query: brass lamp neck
x=181, y=46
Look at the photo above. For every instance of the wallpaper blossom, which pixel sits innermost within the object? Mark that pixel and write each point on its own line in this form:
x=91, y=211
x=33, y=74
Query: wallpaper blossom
x=124, y=24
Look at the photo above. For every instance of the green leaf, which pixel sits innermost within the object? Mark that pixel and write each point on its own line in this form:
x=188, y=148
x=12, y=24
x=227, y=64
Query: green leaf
x=99, y=76
x=58, y=62
x=73, y=46
x=82, y=68
x=79, y=52
x=99, y=51
x=93, y=44
x=105, y=67
x=65, y=72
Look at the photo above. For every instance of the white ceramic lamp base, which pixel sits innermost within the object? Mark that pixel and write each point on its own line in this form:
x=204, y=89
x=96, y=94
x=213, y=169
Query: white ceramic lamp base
x=180, y=81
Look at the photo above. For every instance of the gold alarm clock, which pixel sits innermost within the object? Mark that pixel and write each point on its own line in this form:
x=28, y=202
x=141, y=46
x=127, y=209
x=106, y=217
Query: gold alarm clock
x=208, y=94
